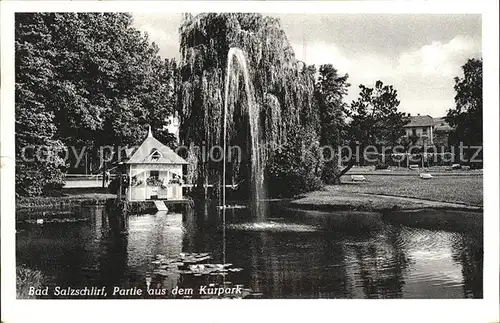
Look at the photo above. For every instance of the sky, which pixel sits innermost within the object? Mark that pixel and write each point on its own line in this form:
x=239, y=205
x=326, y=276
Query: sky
x=418, y=54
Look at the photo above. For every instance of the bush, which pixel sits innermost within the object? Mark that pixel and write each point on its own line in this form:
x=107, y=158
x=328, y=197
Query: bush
x=35, y=179
x=330, y=172
x=289, y=181
x=295, y=169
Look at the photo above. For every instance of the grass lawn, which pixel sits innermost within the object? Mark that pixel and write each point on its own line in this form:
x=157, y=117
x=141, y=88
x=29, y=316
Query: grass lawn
x=457, y=189
x=403, y=171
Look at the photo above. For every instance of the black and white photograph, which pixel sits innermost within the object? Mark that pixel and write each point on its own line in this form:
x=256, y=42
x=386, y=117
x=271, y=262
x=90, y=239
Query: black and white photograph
x=248, y=155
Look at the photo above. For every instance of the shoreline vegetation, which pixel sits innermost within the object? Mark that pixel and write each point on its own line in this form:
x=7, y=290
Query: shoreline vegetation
x=67, y=198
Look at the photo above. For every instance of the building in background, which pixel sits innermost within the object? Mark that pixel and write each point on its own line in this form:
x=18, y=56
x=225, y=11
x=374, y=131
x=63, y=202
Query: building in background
x=441, y=132
x=420, y=130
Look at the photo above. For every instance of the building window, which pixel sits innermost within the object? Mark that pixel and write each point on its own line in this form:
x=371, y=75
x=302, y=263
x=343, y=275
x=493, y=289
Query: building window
x=154, y=173
x=424, y=131
x=156, y=155
x=414, y=132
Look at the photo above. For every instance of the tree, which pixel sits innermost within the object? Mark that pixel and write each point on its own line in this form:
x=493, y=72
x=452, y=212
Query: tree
x=37, y=160
x=467, y=117
x=375, y=121
x=282, y=87
x=330, y=90
x=88, y=80
x=111, y=80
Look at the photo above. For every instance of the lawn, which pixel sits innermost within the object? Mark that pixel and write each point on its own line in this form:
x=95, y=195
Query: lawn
x=457, y=189
x=435, y=170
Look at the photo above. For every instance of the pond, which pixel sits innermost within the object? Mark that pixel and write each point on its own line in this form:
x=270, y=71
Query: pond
x=295, y=254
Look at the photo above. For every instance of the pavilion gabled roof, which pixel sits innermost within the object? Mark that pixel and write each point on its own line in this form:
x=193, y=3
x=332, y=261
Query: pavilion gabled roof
x=145, y=153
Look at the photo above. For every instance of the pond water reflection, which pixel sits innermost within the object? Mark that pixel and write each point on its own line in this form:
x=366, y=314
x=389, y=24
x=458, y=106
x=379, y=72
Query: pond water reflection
x=358, y=259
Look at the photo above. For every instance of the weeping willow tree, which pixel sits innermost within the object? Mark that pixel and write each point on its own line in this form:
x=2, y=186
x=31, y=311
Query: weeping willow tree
x=282, y=89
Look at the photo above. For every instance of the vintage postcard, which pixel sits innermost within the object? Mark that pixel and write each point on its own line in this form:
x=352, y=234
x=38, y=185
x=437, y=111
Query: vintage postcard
x=232, y=152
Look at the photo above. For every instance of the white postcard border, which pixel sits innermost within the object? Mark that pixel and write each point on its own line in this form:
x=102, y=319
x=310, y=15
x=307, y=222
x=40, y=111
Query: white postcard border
x=484, y=310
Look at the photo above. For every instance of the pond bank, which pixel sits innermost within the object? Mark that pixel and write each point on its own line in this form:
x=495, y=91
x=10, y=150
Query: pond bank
x=57, y=208
x=351, y=201
x=75, y=208
x=68, y=198
x=409, y=211
x=59, y=202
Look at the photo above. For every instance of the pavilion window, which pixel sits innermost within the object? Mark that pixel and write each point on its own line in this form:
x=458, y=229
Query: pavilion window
x=154, y=174
x=156, y=155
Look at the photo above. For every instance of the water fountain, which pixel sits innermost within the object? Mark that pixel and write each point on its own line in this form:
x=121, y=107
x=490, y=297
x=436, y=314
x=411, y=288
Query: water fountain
x=257, y=203
x=257, y=174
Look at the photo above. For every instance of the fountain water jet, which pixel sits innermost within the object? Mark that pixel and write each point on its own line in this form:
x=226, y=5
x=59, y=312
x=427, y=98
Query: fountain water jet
x=257, y=173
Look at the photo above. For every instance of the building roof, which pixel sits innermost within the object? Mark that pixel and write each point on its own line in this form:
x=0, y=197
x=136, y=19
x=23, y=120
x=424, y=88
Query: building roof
x=151, y=148
x=420, y=121
x=440, y=124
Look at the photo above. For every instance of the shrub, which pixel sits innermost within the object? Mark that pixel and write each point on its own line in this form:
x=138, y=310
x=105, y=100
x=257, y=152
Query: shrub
x=330, y=172
x=36, y=179
x=295, y=168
